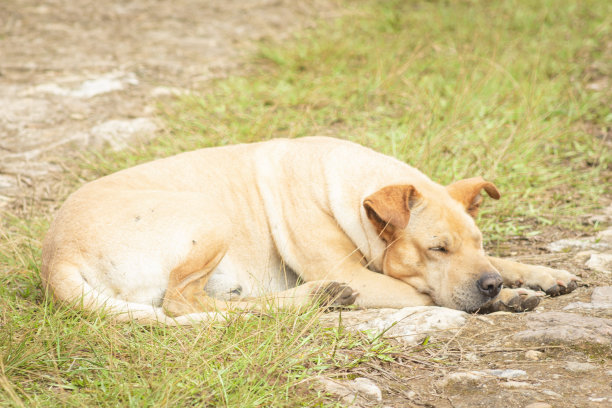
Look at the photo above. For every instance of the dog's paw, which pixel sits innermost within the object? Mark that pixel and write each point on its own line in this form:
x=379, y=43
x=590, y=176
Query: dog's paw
x=513, y=300
x=553, y=282
x=334, y=294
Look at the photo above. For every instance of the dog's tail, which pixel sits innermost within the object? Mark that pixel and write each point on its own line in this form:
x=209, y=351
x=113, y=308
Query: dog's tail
x=67, y=284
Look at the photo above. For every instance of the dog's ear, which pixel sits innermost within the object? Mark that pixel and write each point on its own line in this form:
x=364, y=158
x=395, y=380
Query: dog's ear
x=389, y=208
x=467, y=192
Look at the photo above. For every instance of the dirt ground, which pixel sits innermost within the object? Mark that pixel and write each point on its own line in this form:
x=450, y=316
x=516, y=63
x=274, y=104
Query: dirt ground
x=76, y=74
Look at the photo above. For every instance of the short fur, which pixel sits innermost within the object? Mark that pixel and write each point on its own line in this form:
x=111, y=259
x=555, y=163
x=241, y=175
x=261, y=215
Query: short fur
x=285, y=221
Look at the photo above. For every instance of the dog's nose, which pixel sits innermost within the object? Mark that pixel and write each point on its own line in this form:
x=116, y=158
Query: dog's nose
x=489, y=284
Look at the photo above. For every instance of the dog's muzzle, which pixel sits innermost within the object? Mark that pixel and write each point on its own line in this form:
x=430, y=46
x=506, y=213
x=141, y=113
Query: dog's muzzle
x=489, y=284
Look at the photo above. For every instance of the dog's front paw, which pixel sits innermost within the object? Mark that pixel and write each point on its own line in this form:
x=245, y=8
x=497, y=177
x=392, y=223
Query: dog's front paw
x=553, y=282
x=334, y=294
x=513, y=300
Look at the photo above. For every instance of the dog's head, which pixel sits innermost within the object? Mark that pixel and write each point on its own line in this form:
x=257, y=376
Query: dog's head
x=433, y=243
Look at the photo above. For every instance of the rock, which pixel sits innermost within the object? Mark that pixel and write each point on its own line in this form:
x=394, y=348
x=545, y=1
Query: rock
x=568, y=328
x=567, y=245
x=471, y=357
x=601, y=299
x=470, y=378
x=114, y=81
x=507, y=373
x=605, y=236
x=516, y=384
x=119, y=134
x=367, y=389
x=534, y=355
x=583, y=256
x=552, y=394
x=602, y=294
x=409, y=325
x=600, y=262
x=356, y=393
x=538, y=405
x=576, y=367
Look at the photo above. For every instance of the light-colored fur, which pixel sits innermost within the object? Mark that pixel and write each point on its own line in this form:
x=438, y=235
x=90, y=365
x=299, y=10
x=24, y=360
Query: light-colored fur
x=279, y=221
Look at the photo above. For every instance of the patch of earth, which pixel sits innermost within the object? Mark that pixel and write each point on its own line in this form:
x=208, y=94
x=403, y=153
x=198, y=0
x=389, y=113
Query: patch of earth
x=83, y=74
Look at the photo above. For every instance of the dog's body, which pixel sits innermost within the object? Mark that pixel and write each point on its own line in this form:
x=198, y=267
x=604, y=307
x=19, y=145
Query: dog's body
x=253, y=221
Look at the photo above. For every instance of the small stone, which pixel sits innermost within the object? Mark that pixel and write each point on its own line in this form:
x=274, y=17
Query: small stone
x=409, y=325
x=609, y=372
x=358, y=392
x=566, y=328
x=463, y=378
x=600, y=262
x=551, y=394
x=576, y=367
x=602, y=294
x=516, y=384
x=598, y=399
x=366, y=388
x=605, y=235
x=568, y=245
x=533, y=355
x=119, y=134
x=538, y=405
x=507, y=373
x=471, y=357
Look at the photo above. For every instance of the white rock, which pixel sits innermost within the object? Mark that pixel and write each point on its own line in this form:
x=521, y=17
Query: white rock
x=509, y=373
x=551, y=394
x=119, y=134
x=577, y=367
x=356, y=393
x=601, y=298
x=605, y=235
x=516, y=384
x=367, y=389
x=583, y=256
x=567, y=245
x=538, y=405
x=534, y=355
x=114, y=81
x=464, y=378
x=409, y=325
x=168, y=91
x=600, y=262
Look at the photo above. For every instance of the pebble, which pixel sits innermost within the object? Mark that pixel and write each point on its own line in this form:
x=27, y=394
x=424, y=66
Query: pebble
x=516, y=384
x=538, y=405
x=551, y=393
x=600, y=262
x=507, y=373
x=534, y=355
x=576, y=367
x=570, y=328
x=463, y=378
x=367, y=388
x=358, y=392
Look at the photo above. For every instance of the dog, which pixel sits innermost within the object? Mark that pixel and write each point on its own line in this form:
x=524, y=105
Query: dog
x=285, y=221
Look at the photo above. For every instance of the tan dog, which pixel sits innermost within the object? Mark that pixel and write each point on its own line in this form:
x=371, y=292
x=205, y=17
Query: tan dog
x=283, y=221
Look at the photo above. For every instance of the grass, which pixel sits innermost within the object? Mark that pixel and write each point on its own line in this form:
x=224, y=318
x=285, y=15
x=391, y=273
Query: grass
x=503, y=89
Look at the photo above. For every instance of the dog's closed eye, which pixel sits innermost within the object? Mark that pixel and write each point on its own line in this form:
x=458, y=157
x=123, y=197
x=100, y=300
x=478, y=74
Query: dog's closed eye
x=439, y=249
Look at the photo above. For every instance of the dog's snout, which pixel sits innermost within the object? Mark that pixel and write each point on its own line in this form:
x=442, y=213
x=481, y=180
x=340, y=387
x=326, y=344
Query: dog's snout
x=489, y=284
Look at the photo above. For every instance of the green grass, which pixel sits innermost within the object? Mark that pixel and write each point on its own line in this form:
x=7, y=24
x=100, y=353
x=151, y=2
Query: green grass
x=459, y=88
